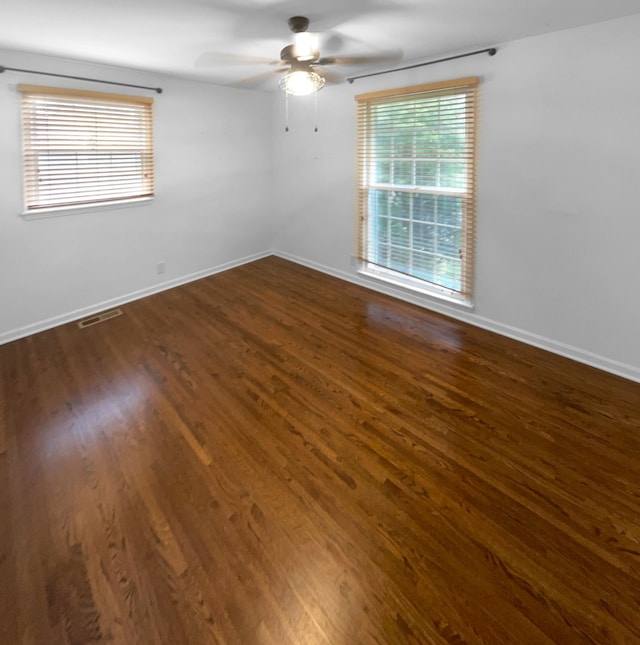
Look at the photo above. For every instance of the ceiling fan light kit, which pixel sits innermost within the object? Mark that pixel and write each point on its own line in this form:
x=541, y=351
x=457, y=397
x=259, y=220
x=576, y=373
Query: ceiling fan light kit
x=300, y=82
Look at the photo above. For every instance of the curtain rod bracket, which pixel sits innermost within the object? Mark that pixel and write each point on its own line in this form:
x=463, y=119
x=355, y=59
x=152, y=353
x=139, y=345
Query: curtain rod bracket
x=79, y=78
x=492, y=51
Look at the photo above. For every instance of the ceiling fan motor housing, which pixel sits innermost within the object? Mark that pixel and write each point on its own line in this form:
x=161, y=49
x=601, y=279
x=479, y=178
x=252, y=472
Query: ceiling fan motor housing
x=305, y=47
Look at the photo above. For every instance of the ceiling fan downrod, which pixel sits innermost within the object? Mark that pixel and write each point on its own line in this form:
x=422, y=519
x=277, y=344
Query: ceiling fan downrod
x=298, y=24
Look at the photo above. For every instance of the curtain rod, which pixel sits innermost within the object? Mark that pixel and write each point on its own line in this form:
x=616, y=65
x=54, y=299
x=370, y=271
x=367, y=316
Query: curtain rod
x=490, y=50
x=78, y=78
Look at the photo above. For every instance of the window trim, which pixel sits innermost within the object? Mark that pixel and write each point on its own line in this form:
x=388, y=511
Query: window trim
x=468, y=86
x=61, y=211
x=140, y=143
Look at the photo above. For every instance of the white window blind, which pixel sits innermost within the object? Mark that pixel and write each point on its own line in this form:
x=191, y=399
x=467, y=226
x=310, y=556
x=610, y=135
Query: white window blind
x=83, y=148
x=416, y=190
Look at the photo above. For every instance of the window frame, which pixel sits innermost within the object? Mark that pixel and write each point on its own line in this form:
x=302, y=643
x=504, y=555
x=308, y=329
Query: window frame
x=369, y=261
x=96, y=148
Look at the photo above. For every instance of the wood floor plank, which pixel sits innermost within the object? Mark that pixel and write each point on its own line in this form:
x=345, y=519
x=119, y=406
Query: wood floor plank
x=271, y=455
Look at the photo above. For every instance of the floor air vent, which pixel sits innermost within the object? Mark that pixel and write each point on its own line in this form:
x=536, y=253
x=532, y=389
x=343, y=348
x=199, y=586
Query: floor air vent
x=94, y=320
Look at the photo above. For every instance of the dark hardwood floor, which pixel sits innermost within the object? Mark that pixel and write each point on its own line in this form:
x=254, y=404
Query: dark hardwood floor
x=271, y=455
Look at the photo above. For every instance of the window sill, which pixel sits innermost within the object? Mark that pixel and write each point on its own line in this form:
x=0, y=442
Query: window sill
x=60, y=211
x=417, y=286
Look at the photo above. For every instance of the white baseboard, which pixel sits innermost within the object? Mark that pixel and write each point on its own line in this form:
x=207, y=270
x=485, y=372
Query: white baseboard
x=90, y=310
x=624, y=370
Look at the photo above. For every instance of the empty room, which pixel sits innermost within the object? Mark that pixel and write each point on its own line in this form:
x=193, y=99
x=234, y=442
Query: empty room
x=319, y=322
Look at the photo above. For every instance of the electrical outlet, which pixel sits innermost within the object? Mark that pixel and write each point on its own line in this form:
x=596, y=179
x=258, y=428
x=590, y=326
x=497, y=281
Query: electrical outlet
x=354, y=261
x=160, y=267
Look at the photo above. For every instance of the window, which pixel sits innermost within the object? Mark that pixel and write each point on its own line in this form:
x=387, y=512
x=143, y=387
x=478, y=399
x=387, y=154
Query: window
x=85, y=148
x=416, y=202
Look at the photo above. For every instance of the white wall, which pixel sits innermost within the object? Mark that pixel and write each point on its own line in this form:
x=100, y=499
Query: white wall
x=212, y=209
x=558, y=223
x=558, y=258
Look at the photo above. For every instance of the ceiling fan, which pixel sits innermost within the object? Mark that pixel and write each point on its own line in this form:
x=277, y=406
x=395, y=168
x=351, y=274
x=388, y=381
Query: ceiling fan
x=302, y=67
x=301, y=57
x=304, y=74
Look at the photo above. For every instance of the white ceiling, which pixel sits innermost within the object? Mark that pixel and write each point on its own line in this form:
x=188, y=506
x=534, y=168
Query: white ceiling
x=206, y=39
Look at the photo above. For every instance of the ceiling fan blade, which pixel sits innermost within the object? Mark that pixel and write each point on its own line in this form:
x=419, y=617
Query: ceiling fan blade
x=393, y=56
x=210, y=59
x=254, y=81
x=329, y=75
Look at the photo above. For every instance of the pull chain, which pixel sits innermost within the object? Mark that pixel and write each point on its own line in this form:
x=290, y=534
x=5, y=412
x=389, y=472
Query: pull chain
x=286, y=111
x=315, y=100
